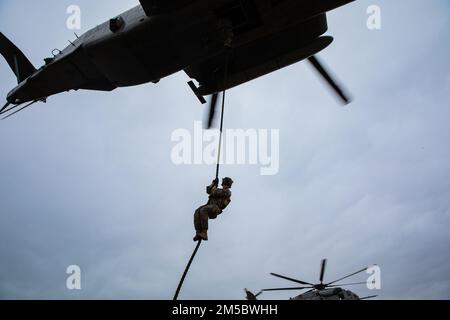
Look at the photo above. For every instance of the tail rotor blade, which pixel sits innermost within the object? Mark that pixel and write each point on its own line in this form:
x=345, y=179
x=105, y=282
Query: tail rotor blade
x=329, y=79
x=212, y=110
x=322, y=269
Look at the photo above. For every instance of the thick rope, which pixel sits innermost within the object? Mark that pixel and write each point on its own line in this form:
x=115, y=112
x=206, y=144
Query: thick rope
x=223, y=113
x=180, y=285
x=221, y=134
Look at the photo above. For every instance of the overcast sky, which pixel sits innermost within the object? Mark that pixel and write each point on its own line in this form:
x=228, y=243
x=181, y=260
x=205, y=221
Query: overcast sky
x=87, y=179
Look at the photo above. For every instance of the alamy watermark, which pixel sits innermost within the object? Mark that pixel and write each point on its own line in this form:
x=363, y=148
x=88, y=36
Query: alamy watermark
x=73, y=22
x=73, y=281
x=374, y=19
x=374, y=280
x=239, y=147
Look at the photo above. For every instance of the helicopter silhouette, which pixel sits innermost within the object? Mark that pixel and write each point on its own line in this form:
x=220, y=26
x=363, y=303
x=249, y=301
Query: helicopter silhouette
x=221, y=44
x=321, y=291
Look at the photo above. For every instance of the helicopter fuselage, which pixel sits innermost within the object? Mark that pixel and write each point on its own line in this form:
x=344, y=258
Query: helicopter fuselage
x=136, y=47
x=328, y=294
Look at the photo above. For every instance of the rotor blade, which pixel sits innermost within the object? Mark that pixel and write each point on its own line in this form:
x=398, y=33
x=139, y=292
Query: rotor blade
x=322, y=269
x=259, y=293
x=368, y=297
x=212, y=110
x=24, y=107
x=329, y=79
x=5, y=106
x=290, y=279
x=346, y=284
x=350, y=275
x=286, y=289
x=11, y=108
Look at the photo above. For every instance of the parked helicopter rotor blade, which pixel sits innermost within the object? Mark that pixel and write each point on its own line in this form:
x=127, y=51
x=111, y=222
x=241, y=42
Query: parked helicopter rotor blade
x=212, y=110
x=350, y=275
x=290, y=279
x=322, y=269
x=329, y=79
x=286, y=289
x=346, y=284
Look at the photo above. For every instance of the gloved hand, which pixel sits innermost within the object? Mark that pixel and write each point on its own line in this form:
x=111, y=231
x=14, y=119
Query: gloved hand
x=216, y=182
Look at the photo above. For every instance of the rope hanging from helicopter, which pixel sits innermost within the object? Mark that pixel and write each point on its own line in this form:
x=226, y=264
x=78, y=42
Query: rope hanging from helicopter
x=219, y=154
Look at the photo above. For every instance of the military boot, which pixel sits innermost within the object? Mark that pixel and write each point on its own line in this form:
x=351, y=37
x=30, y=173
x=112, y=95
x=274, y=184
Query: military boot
x=204, y=235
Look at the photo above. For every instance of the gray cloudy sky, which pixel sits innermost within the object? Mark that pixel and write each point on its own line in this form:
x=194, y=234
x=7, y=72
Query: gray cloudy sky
x=87, y=178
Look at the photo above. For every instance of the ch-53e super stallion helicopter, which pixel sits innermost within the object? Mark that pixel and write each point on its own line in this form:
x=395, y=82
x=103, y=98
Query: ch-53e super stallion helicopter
x=320, y=291
x=220, y=43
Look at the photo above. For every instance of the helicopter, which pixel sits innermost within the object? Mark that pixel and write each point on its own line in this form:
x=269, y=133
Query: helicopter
x=221, y=44
x=321, y=291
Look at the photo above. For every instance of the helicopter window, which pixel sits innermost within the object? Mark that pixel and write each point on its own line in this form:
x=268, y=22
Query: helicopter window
x=116, y=24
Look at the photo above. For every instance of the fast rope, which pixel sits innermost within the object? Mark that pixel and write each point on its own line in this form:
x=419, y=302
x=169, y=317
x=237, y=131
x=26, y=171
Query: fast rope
x=222, y=116
x=180, y=285
x=221, y=134
x=175, y=298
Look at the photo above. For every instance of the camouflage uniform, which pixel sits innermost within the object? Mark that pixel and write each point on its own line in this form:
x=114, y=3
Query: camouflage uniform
x=219, y=199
